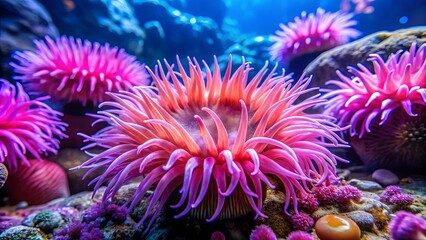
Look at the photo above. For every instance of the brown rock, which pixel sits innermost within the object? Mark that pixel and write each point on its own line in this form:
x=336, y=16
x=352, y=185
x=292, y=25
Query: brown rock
x=72, y=157
x=364, y=220
x=273, y=208
x=324, y=67
x=324, y=210
x=3, y=174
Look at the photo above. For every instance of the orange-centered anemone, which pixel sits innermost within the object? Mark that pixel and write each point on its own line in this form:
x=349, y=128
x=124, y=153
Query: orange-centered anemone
x=212, y=140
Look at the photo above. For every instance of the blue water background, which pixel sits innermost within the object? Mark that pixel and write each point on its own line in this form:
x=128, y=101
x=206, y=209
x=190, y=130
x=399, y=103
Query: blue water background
x=263, y=16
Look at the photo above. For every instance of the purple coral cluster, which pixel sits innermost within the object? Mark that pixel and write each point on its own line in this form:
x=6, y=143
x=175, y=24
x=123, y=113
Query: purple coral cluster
x=93, y=220
x=105, y=212
x=394, y=195
x=80, y=230
x=302, y=221
x=337, y=194
x=9, y=221
x=345, y=194
x=308, y=202
x=402, y=199
x=263, y=232
x=405, y=225
x=389, y=192
x=299, y=235
x=325, y=194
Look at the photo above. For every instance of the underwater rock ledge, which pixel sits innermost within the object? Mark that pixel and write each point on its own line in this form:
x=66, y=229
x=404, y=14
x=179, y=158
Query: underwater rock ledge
x=324, y=67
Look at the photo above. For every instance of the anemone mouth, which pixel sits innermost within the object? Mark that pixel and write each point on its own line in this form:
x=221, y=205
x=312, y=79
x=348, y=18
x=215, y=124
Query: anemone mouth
x=229, y=115
x=399, y=143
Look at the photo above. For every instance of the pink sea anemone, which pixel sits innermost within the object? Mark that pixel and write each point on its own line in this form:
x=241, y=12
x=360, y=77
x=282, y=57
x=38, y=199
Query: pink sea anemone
x=27, y=127
x=37, y=182
x=360, y=6
x=398, y=82
x=214, y=139
x=388, y=103
x=75, y=70
x=312, y=33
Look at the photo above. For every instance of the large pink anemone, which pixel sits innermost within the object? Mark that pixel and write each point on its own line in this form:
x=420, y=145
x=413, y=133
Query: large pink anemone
x=398, y=82
x=27, y=127
x=75, y=70
x=312, y=33
x=386, y=108
x=214, y=139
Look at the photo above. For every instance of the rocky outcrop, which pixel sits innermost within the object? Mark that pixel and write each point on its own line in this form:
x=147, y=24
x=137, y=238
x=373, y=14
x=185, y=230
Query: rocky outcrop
x=21, y=22
x=111, y=21
x=324, y=67
x=171, y=32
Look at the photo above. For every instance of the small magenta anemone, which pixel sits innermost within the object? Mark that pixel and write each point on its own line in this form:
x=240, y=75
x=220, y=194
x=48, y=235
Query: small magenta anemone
x=75, y=70
x=37, y=182
x=402, y=199
x=346, y=194
x=213, y=140
x=405, y=225
x=394, y=195
x=386, y=109
x=263, y=232
x=308, y=202
x=389, y=192
x=300, y=235
x=326, y=194
x=27, y=127
x=302, y=221
x=312, y=33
